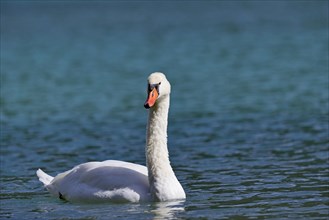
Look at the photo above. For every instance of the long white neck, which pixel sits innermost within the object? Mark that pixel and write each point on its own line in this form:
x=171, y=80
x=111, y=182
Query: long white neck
x=163, y=182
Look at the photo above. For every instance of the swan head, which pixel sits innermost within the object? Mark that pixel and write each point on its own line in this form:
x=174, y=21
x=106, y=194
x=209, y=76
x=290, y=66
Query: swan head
x=157, y=88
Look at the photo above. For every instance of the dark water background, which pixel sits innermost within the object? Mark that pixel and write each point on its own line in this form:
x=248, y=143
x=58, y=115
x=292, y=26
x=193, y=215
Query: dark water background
x=248, y=129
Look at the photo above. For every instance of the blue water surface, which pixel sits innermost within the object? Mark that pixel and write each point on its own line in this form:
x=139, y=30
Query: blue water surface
x=248, y=124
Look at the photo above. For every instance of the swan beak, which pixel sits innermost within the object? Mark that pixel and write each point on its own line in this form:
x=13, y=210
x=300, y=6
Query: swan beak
x=152, y=97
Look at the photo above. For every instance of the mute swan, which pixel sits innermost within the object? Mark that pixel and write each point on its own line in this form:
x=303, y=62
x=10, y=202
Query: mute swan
x=113, y=180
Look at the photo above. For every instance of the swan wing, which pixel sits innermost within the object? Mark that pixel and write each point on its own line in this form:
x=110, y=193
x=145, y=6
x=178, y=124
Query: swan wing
x=98, y=181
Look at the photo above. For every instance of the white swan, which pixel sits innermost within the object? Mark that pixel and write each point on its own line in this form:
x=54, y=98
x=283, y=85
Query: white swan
x=113, y=180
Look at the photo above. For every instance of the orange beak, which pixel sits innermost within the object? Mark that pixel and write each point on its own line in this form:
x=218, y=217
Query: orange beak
x=152, y=97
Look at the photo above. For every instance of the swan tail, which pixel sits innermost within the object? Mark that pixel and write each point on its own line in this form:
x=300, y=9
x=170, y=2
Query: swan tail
x=44, y=178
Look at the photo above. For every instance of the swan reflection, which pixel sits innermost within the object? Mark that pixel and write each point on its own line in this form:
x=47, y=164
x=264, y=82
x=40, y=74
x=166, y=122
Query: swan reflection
x=167, y=210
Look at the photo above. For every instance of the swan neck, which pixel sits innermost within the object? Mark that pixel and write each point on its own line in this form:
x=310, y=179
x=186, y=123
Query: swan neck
x=158, y=123
x=157, y=157
x=156, y=140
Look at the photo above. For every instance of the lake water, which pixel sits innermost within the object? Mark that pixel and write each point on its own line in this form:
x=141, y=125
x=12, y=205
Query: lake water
x=248, y=124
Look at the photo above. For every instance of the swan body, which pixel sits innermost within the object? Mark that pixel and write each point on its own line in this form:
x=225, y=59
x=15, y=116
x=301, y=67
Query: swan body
x=100, y=181
x=114, y=180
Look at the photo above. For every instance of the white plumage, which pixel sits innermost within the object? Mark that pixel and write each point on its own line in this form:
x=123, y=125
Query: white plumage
x=113, y=180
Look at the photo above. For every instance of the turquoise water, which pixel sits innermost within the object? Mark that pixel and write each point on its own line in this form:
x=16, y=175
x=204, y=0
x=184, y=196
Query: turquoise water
x=248, y=124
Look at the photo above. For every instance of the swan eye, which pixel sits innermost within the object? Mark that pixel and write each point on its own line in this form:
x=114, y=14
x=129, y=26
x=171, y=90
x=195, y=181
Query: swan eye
x=157, y=87
x=152, y=86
